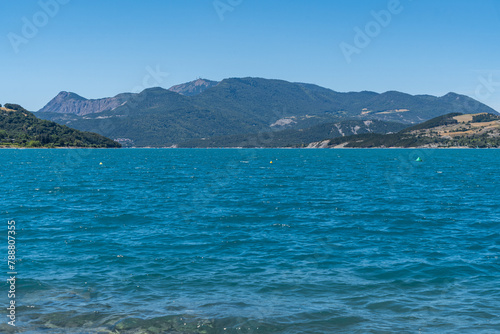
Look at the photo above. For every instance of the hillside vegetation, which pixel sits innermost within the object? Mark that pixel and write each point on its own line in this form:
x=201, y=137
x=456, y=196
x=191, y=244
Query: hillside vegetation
x=20, y=128
x=297, y=137
x=453, y=130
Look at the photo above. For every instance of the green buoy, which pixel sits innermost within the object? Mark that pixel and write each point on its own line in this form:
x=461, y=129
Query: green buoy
x=419, y=159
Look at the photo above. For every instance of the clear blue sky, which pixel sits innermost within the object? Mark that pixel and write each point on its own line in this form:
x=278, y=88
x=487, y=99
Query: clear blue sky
x=102, y=48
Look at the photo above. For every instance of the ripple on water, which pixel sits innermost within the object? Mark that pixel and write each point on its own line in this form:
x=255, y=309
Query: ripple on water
x=217, y=241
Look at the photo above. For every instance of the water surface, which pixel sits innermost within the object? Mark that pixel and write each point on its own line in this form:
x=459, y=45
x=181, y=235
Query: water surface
x=223, y=241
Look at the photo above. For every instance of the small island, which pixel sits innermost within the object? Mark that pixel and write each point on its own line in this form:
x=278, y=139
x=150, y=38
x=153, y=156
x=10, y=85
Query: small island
x=19, y=128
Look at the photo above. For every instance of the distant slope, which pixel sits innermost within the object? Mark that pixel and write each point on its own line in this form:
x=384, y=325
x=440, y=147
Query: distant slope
x=294, y=137
x=451, y=130
x=71, y=103
x=194, y=87
x=20, y=128
x=245, y=106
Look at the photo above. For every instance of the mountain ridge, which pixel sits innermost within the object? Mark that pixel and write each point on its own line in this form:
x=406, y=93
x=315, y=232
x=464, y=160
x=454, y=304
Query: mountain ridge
x=72, y=103
x=194, y=87
x=239, y=106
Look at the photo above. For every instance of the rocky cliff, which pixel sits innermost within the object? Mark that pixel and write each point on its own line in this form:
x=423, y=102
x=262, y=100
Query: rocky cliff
x=71, y=103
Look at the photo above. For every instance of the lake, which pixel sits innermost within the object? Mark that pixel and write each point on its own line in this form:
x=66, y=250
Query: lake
x=252, y=240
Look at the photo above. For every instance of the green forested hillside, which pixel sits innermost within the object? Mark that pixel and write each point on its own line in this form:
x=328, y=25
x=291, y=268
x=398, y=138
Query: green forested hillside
x=20, y=128
x=297, y=137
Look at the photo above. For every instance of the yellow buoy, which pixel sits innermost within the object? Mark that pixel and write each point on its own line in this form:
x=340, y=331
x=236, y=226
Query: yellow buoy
x=100, y=163
x=270, y=162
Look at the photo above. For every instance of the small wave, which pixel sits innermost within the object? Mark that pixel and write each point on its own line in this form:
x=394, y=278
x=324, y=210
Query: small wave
x=96, y=322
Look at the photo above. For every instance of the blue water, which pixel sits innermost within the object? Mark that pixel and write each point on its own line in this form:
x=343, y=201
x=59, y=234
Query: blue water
x=223, y=241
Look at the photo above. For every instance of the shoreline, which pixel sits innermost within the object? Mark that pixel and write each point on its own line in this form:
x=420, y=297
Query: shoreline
x=56, y=148
x=251, y=148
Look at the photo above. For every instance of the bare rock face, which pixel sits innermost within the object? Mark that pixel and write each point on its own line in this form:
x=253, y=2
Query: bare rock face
x=194, y=87
x=71, y=103
x=319, y=144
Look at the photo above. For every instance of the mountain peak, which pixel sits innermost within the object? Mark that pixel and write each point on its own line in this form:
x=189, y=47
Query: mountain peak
x=64, y=95
x=202, y=82
x=153, y=90
x=71, y=103
x=195, y=87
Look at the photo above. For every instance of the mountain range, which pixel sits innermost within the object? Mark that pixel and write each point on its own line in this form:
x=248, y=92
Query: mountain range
x=235, y=110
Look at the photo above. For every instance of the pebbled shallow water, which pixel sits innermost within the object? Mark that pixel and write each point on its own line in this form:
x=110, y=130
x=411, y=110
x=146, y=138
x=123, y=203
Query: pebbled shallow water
x=223, y=241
